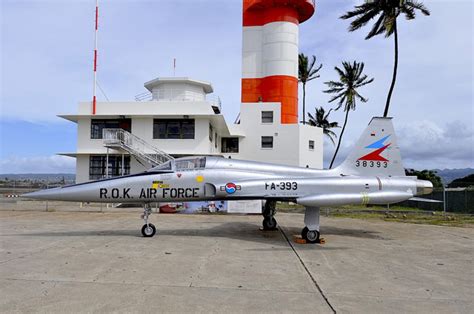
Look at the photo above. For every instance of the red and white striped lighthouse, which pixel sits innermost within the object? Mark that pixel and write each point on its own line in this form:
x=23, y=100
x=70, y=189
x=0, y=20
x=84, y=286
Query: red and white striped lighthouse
x=270, y=52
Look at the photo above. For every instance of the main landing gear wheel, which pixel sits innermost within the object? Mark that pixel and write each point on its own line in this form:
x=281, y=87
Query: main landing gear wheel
x=268, y=213
x=269, y=223
x=311, y=236
x=148, y=230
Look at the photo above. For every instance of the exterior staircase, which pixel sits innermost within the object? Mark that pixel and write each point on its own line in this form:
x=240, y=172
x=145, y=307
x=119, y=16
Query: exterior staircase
x=135, y=146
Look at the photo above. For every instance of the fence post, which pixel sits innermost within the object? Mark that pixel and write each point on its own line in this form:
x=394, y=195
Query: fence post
x=465, y=201
x=47, y=186
x=444, y=200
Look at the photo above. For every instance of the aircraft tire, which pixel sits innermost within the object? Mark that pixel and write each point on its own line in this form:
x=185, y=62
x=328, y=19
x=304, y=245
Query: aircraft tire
x=148, y=230
x=269, y=223
x=310, y=236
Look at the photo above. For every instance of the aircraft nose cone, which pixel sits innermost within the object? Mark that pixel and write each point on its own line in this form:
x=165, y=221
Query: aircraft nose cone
x=423, y=187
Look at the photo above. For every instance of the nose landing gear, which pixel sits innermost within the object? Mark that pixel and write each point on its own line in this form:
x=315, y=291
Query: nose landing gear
x=148, y=229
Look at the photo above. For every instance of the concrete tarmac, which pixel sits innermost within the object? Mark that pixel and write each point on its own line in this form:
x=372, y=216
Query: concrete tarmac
x=98, y=262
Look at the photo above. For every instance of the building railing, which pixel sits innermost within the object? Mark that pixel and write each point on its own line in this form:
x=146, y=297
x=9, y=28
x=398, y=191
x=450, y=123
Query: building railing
x=145, y=96
x=213, y=99
x=215, y=103
x=119, y=138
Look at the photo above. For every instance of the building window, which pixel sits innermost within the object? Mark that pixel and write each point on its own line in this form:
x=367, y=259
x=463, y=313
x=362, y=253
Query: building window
x=97, y=126
x=267, y=141
x=267, y=116
x=229, y=145
x=311, y=145
x=210, y=132
x=215, y=140
x=173, y=129
x=98, y=168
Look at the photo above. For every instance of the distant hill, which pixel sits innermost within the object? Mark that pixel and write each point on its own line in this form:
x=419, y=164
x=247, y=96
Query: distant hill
x=448, y=175
x=463, y=182
x=51, y=177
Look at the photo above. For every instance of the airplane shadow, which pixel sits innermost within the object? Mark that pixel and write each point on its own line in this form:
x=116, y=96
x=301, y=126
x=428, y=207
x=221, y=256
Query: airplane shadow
x=243, y=231
x=344, y=232
x=232, y=230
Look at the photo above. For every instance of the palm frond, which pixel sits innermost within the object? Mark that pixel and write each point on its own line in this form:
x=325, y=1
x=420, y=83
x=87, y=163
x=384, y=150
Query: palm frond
x=409, y=12
x=334, y=84
x=337, y=97
x=389, y=10
x=307, y=70
x=363, y=19
x=340, y=72
x=351, y=77
x=333, y=90
x=359, y=10
x=377, y=28
x=320, y=119
x=418, y=6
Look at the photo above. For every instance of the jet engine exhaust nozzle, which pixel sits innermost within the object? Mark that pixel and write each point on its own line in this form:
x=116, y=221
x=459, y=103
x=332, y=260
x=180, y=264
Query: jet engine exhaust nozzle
x=423, y=187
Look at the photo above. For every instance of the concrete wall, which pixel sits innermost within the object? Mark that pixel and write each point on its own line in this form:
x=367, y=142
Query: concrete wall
x=143, y=128
x=82, y=168
x=312, y=158
x=199, y=145
x=290, y=141
x=178, y=91
x=147, y=108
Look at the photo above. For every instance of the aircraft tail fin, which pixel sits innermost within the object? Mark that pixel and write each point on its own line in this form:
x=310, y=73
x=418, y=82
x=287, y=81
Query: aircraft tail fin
x=376, y=152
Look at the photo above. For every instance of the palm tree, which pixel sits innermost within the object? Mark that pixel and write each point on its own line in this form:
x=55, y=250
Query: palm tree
x=320, y=119
x=307, y=71
x=345, y=91
x=386, y=23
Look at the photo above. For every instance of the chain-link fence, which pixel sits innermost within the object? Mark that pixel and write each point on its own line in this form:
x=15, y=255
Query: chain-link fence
x=457, y=200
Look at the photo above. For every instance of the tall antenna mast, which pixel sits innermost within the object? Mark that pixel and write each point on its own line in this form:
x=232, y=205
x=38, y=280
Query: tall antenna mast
x=94, y=100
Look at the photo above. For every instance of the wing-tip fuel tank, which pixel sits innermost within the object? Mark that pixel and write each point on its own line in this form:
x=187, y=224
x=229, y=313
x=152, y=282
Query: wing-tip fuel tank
x=372, y=173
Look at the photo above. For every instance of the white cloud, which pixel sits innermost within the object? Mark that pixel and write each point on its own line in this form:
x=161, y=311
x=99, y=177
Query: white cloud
x=427, y=145
x=39, y=164
x=423, y=145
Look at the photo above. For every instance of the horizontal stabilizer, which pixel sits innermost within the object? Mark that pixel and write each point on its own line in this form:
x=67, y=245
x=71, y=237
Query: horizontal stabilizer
x=426, y=200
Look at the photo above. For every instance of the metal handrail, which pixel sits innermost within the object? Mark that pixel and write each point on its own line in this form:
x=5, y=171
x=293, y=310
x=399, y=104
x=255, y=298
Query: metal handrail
x=145, y=96
x=134, y=145
x=215, y=102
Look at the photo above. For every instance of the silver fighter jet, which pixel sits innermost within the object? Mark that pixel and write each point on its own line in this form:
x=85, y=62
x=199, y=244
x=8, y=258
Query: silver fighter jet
x=372, y=174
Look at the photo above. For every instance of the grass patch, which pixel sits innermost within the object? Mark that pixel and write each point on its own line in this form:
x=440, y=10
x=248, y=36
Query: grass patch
x=453, y=220
x=394, y=214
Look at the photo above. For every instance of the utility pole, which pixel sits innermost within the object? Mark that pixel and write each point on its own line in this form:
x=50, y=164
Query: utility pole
x=94, y=98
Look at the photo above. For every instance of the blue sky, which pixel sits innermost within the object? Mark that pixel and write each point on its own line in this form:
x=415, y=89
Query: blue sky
x=46, y=69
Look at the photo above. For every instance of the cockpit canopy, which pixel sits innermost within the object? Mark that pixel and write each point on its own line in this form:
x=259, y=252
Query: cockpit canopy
x=190, y=163
x=167, y=166
x=181, y=164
